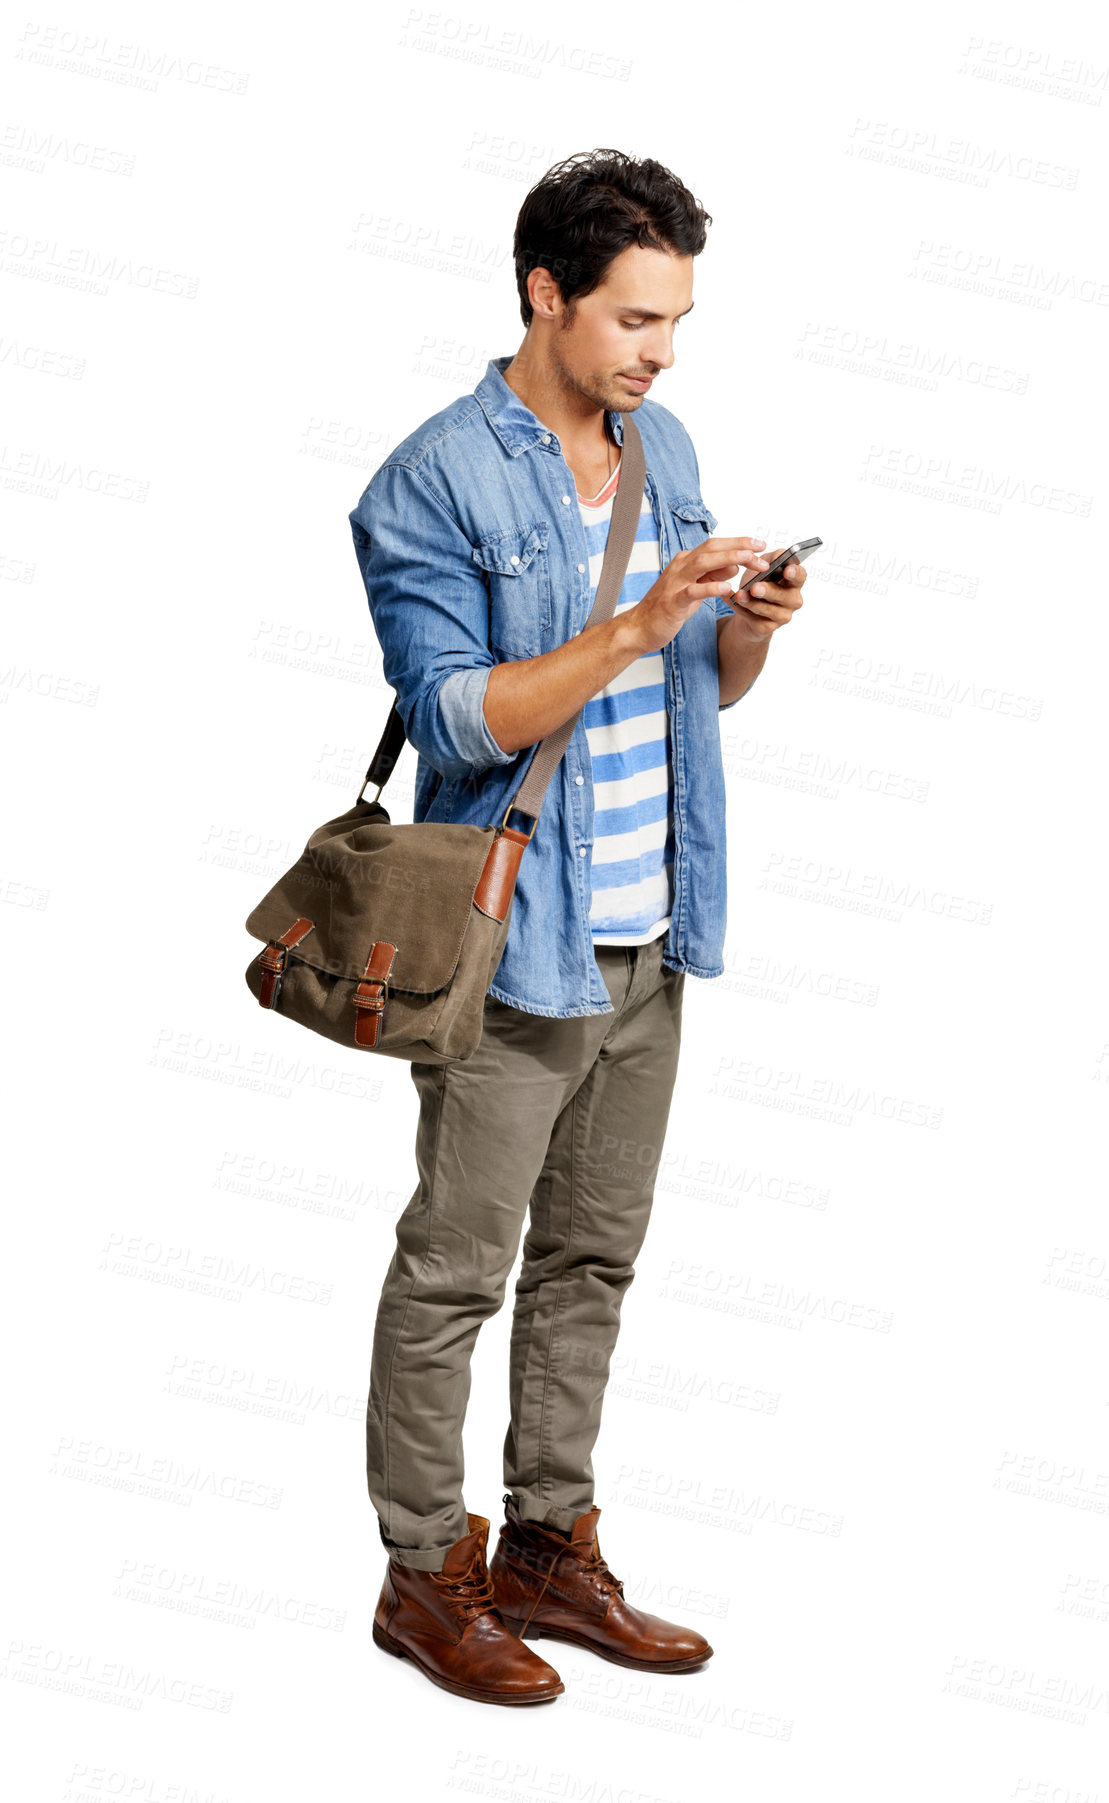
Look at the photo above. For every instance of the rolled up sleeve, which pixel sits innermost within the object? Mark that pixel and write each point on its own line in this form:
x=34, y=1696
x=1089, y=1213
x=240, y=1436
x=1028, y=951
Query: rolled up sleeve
x=462, y=709
x=430, y=611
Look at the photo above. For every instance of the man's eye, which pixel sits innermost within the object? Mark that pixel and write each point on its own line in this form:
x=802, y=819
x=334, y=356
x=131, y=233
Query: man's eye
x=631, y=325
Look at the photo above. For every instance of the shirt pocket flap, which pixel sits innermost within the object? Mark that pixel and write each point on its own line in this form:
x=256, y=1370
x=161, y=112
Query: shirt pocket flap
x=510, y=553
x=691, y=507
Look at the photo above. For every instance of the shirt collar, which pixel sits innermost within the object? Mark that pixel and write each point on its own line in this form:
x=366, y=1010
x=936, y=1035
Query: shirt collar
x=516, y=425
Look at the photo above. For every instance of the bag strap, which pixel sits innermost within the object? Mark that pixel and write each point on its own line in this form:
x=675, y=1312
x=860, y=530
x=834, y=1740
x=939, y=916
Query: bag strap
x=622, y=530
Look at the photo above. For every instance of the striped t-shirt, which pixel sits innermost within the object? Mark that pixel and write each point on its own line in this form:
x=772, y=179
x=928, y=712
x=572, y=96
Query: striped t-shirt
x=628, y=732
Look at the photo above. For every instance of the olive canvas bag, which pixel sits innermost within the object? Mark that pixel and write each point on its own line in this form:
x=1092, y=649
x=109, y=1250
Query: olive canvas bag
x=385, y=937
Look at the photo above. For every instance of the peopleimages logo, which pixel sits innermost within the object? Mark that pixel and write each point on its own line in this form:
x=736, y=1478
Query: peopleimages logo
x=999, y=276
x=91, y=271
x=955, y=159
x=128, y=65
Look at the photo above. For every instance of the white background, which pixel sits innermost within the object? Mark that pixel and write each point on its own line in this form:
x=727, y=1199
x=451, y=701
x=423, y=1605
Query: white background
x=856, y=1429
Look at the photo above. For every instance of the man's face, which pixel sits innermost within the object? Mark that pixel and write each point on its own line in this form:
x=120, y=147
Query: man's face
x=624, y=330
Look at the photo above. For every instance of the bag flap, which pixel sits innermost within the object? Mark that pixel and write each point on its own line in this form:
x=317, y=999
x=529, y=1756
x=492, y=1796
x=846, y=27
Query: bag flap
x=361, y=878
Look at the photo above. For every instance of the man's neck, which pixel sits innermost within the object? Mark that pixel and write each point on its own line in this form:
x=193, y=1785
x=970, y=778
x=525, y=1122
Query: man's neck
x=582, y=428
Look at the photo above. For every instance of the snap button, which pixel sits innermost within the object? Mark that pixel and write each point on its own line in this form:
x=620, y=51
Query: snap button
x=581, y=569
x=581, y=851
x=546, y=438
x=514, y=560
x=579, y=779
x=566, y=500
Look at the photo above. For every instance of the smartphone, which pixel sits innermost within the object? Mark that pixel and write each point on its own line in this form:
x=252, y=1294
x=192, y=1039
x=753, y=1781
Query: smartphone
x=797, y=553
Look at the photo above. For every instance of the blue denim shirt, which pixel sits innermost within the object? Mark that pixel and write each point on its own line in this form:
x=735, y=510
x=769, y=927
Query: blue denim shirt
x=471, y=546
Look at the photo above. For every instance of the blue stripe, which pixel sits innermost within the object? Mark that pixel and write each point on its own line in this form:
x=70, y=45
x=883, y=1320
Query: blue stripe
x=608, y=766
x=596, y=531
x=637, y=813
x=609, y=924
x=635, y=585
x=626, y=704
x=618, y=876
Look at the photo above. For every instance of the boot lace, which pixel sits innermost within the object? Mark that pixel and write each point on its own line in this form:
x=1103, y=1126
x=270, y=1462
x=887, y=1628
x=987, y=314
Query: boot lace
x=469, y=1595
x=593, y=1561
x=597, y=1566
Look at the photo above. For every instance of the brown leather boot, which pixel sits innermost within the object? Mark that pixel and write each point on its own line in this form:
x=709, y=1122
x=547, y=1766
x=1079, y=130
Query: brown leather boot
x=445, y=1622
x=547, y=1585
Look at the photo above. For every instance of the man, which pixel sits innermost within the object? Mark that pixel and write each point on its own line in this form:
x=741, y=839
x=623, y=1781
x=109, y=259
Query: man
x=480, y=540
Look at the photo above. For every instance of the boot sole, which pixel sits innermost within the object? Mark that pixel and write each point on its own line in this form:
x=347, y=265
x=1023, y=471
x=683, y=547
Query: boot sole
x=389, y=1645
x=542, y=1632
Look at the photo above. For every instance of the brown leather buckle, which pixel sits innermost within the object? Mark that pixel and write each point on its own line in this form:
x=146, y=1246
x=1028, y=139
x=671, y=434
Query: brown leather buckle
x=274, y=957
x=372, y=994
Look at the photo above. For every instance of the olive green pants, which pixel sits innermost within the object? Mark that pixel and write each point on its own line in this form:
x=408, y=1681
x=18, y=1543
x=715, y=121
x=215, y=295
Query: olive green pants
x=562, y=1122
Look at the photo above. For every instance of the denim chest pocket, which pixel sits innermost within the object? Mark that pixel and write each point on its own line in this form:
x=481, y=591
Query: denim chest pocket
x=693, y=522
x=518, y=573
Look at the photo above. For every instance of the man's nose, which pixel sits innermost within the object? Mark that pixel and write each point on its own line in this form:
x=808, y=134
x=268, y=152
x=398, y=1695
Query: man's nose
x=660, y=353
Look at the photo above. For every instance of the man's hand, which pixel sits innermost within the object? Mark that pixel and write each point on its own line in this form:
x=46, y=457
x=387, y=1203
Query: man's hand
x=686, y=581
x=765, y=606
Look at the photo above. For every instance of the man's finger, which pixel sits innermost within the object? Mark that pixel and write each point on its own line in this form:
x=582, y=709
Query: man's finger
x=766, y=610
x=733, y=549
x=715, y=552
x=783, y=582
x=784, y=601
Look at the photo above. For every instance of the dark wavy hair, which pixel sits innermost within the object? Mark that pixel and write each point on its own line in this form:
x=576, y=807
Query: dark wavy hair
x=587, y=209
